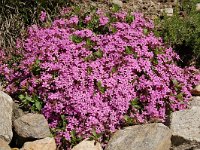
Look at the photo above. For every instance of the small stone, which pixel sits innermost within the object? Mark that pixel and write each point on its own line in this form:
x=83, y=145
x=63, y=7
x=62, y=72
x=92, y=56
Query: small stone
x=88, y=145
x=185, y=126
x=4, y=145
x=43, y=144
x=155, y=136
x=196, y=91
x=198, y=7
x=169, y=11
x=117, y=2
x=6, y=104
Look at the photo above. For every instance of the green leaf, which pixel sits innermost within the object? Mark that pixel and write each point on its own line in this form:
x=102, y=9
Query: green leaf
x=90, y=57
x=89, y=42
x=28, y=98
x=38, y=105
x=113, y=29
x=37, y=62
x=115, y=8
x=94, y=133
x=135, y=103
x=155, y=61
x=62, y=117
x=21, y=97
x=95, y=136
x=113, y=70
x=128, y=120
x=175, y=82
x=36, y=67
x=89, y=70
x=98, y=54
x=158, y=51
x=145, y=31
x=180, y=96
x=100, y=87
x=63, y=122
x=129, y=50
x=129, y=18
x=76, y=39
x=73, y=134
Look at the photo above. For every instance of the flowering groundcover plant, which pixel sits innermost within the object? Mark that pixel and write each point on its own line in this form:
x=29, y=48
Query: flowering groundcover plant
x=93, y=75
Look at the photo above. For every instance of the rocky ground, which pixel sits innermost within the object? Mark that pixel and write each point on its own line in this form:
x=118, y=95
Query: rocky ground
x=150, y=8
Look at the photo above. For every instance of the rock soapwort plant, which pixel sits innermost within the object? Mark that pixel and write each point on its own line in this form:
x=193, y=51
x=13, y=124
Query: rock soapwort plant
x=94, y=74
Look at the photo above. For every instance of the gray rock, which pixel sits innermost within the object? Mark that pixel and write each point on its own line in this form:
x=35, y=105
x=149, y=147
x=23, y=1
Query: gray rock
x=4, y=145
x=185, y=126
x=43, y=144
x=31, y=126
x=198, y=7
x=88, y=145
x=155, y=136
x=117, y=2
x=1, y=87
x=195, y=101
x=6, y=104
x=169, y=11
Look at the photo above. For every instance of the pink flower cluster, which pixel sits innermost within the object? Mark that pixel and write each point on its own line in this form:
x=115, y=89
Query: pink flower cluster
x=95, y=80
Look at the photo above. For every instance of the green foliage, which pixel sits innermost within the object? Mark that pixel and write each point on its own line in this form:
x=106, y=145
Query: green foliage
x=76, y=39
x=182, y=31
x=32, y=102
x=36, y=67
x=128, y=120
x=95, y=55
x=95, y=136
x=74, y=138
x=129, y=18
x=135, y=103
x=129, y=50
x=115, y=8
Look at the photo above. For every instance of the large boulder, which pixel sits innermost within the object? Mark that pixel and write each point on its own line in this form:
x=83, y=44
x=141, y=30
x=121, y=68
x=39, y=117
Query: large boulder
x=30, y=127
x=43, y=144
x=88, y=145
x=195, y=101
x=155, y=136
x=4, y=145
x=185, y=126
x=6, y=104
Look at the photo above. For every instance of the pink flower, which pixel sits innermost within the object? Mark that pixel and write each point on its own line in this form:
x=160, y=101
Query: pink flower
x=43, y=16
x=87, y=19
x=103, y=20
